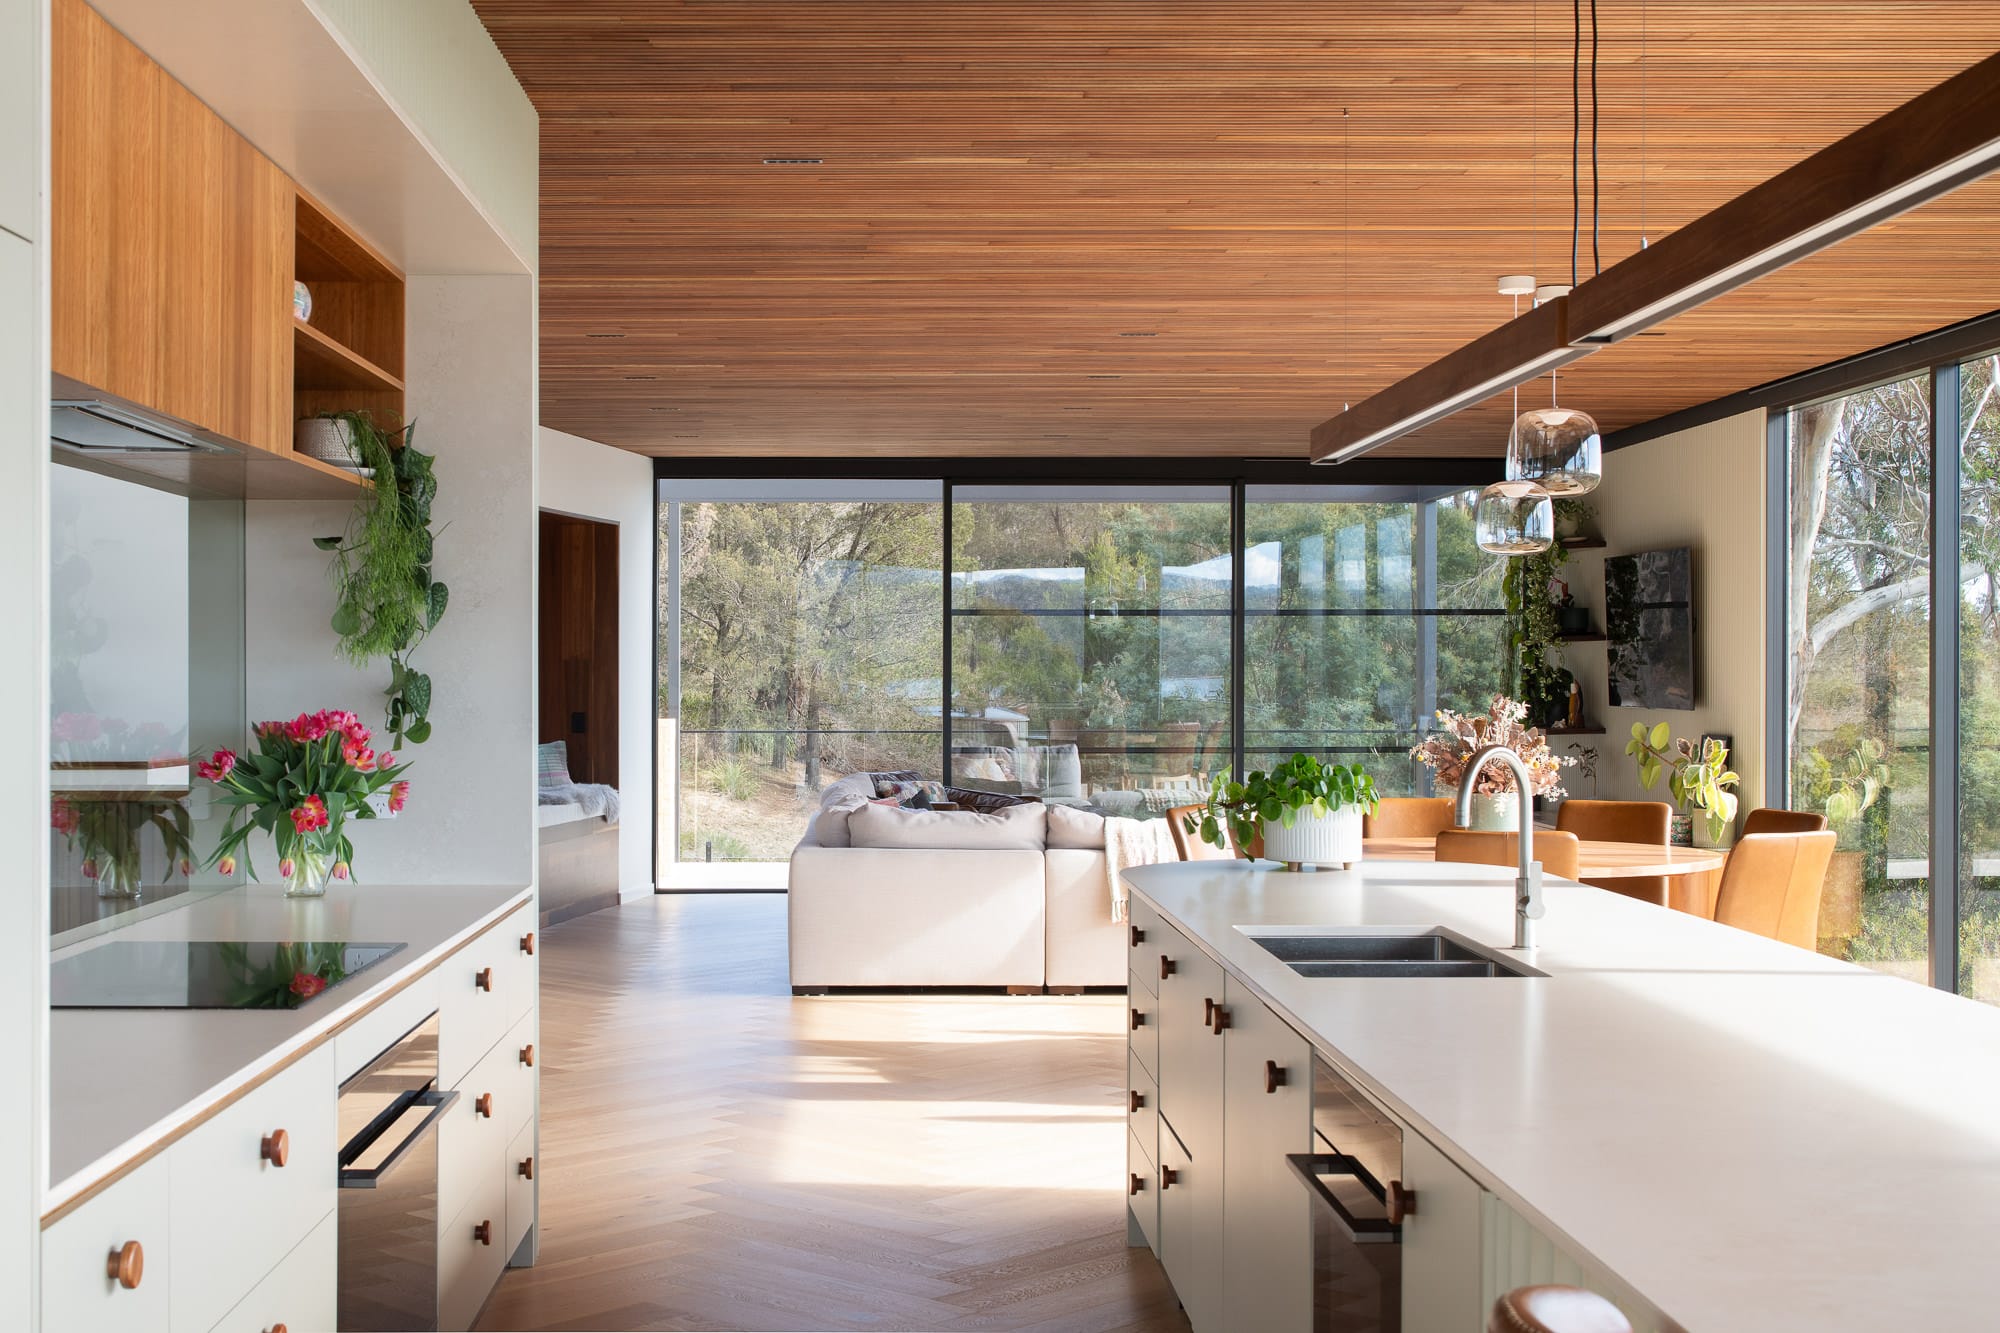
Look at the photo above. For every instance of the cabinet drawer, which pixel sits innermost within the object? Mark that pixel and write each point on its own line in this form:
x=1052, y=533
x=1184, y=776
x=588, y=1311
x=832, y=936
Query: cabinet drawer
x=1142, y=1190
x=1142, y=1019
x=520, y=1167
x=1190, y=1062
x=467, y=1265
x=302, y=1292
x=1142, y=1101
x=1142, y=944
x=471, y=1145
x=78, y=1290
x=236, y=1212
x=484, y=989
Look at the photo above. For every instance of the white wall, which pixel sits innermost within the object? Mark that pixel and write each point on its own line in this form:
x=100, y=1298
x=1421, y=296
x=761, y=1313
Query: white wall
x=585, y=479
x=24, y=780
x=471, y=389
x=1701, y=488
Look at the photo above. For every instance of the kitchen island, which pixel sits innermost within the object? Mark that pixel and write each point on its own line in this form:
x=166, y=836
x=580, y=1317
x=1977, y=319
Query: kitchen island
x=1733, y=1132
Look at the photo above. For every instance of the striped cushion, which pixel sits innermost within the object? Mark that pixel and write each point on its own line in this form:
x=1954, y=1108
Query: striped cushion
x=552, y=764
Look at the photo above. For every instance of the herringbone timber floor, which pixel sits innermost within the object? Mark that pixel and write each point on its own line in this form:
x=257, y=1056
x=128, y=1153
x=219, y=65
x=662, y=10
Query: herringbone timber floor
x=716, y=1154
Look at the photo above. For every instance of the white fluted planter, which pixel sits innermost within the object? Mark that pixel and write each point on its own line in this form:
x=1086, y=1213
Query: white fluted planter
x=1316, y=840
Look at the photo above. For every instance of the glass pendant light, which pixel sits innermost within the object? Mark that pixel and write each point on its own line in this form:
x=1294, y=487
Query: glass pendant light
x=1514, y=518
x=1557, y=448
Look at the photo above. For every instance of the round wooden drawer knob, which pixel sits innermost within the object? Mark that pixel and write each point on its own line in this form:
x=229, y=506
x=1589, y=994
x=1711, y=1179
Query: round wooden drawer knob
x=483, y=1104
x=484, y=980
x=526, y=1169
x=1168, y=1176
x=528, y=1055
x=1138, y=937
x=1138, y=1019
x=1218, y=1019
x=483, y=1233
x=1138, y=1182
x=276, y=1148
x=1167, y=967
x=1274, y=1076
x=127, y=1265
x=528, y=943
x=1134, y=1099
x=1401, y=1202
x=277, y=1328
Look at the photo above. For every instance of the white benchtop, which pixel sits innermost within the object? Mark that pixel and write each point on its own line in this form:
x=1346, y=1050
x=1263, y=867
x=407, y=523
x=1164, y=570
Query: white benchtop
x=123, y=1080
x=1750, y=1135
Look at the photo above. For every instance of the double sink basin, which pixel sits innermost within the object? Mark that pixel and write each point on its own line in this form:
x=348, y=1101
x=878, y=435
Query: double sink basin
x=1428, y=953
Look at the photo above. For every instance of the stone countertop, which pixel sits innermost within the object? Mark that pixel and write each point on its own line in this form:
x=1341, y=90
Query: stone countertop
x=1750, y=1135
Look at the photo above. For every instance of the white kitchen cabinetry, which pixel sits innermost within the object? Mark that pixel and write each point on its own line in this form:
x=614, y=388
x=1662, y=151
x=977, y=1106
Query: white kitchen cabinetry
x=302, y=1294
x=1267, y=1254
x=107, y=1265
x=21, y=115
x=249, y=1185
x=1441, y=1258
x=1191, y=1071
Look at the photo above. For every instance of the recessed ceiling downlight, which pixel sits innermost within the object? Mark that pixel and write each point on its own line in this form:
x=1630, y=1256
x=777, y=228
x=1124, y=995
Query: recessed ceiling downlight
x=793, y=161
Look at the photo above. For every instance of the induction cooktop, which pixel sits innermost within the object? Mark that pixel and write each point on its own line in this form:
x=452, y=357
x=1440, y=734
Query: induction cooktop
x=207, y=974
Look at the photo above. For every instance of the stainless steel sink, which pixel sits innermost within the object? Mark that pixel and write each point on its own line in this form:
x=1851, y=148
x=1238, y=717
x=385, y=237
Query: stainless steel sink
x=1430, y=953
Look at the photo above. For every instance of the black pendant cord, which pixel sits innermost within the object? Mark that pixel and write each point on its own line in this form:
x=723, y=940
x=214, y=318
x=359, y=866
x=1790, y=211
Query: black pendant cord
x=1596, y=252
x=1575, y=130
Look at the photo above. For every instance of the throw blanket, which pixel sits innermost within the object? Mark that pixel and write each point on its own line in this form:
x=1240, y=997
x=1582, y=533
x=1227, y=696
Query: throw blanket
x=594, y=797
x=1133, y=842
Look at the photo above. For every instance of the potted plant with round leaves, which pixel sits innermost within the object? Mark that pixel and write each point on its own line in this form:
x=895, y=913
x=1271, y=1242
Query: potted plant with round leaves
x=1698, y=778
x=387, y=603
x=1302, y=812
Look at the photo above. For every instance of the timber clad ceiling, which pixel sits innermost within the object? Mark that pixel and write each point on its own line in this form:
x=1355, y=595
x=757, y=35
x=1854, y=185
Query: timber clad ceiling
x=1007, y=191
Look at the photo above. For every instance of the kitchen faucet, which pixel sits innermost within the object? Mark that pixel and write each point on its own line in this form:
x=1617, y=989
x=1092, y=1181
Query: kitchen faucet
x=1528, y=887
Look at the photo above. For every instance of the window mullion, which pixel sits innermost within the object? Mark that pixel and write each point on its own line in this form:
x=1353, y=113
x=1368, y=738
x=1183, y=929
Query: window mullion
x=1945, y=869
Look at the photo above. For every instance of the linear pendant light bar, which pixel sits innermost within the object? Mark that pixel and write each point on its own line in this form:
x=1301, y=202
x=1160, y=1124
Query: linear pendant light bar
x=1929, y=146
x=1519, y=350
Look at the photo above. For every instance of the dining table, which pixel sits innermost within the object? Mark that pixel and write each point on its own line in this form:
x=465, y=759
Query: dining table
x=1692, y=873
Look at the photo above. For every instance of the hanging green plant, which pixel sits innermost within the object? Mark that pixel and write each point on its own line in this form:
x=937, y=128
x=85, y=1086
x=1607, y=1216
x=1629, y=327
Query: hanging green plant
x=387, y=601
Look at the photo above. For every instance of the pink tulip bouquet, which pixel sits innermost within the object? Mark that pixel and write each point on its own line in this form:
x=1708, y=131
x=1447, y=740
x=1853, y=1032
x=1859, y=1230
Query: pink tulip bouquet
x=307, y=778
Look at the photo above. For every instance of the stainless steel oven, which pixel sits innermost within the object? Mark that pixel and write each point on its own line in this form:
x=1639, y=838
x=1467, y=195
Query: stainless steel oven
x=1354, y=1174
x=389, y=1114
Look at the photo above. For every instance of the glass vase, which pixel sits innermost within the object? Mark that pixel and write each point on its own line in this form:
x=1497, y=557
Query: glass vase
x=118, y=877
x=310, y=872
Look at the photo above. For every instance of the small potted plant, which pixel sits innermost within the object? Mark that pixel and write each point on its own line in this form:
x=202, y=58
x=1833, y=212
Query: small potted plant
x=1446, y=751
x=1698, y=778
x=1302, y=812
x=1571, y=619
x=305, y=780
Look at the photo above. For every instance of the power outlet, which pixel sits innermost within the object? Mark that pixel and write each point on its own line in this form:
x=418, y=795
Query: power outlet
x=378, y=801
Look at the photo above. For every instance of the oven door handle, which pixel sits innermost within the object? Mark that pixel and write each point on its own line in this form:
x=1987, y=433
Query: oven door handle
x=1309, y=1167
x=367, y=1178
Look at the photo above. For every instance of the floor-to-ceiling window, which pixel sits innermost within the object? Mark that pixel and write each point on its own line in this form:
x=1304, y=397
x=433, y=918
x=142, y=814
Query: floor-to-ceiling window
x=801, y=641
x=1889, y=693
x=1362, y=618
x=1090, y=642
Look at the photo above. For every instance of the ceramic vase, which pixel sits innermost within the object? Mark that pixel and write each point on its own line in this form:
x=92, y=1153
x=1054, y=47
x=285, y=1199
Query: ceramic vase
x=1316, y=840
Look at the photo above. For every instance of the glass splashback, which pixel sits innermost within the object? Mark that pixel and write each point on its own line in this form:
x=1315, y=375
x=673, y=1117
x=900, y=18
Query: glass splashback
x=146, y=642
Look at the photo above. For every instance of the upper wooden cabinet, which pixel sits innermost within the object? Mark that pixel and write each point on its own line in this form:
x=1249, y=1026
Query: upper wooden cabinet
x=171, y=243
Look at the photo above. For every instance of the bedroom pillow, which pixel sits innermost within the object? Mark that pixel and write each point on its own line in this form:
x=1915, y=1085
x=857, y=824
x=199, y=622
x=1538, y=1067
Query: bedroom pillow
x=1082, y=830
x=1017, y=828
x=552, y=764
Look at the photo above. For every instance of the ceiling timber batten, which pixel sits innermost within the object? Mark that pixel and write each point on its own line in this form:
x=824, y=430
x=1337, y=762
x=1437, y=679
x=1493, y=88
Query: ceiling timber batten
x=1933, y=144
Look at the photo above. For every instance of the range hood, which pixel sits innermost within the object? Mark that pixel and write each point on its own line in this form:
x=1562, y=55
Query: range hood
x=102, y=429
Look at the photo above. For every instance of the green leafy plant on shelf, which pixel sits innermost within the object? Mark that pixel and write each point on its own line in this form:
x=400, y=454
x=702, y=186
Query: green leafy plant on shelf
x=1698, y=774
x=1534, y=632
x=387, y=603
x=1302, y=785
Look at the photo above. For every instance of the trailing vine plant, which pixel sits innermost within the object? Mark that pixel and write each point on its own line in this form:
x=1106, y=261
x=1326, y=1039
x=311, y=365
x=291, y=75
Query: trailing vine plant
x=387, y=601
x=1534, y=634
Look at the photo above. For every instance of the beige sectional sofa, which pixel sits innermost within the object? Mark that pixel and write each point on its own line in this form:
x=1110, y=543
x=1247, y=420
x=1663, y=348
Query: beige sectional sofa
x=882, y=897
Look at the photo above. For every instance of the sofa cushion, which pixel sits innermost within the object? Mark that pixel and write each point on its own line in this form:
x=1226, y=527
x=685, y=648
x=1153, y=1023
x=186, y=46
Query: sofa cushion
x=829, y=826
x=1060, y=770
x=854, y=784
x=985, y=802
x=1082, y=830
x=1018, y=828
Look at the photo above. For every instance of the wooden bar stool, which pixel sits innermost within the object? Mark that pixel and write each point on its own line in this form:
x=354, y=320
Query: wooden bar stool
x=1555, y=1310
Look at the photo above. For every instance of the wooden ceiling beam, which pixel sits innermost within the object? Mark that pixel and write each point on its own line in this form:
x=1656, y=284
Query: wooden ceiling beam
x=1925, y=148
x=1519, y=350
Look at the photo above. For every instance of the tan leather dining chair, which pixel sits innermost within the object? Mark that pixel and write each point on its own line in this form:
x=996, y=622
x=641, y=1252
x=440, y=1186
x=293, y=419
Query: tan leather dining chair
x=1556, y=851
x=1772, y=884
x=1408, y=817
x=1647, y=822
x=1768, y=820
x=1191, y=846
